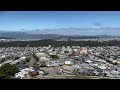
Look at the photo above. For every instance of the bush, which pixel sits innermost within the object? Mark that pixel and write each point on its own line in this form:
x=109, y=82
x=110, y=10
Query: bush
x=54, y=56
x=27, y=59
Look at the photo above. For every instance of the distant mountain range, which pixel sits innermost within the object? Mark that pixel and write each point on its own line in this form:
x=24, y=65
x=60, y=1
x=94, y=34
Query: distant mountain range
x=78, y=31
x=22, y=35
x=56, y=33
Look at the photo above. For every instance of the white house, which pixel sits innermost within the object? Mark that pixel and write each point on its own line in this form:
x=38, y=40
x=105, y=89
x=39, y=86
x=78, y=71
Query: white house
x=23, y=73
x=68, y=62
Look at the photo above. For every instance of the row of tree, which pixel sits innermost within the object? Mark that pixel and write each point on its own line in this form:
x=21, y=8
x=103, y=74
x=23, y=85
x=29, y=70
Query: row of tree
x=59, y=43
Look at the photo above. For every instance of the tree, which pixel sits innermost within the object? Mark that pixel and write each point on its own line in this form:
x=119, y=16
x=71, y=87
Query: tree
x=36, y=58
x=3, y=76
x=54, y=56
x=27, y=59
x=115, y=58
x=8, y=70
x=2, y=59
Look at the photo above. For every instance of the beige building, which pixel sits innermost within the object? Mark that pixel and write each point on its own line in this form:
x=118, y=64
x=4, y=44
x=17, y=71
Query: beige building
x=84, y=50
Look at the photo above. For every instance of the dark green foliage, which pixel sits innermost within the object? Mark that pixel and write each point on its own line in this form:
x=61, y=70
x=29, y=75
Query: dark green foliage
x=36, y=58
x=115, y=58
x=54, y=56
x=2, y=59
x=4, y=76
x=16, y=58
x=8, y=70
x=54, y=43
x=27, y=59
x=66, y=51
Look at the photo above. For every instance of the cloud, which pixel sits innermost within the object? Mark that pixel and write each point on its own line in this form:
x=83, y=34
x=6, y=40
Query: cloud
x=97, y=24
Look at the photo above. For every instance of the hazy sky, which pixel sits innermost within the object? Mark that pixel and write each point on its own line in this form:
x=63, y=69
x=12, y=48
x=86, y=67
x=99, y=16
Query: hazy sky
x=30, y=20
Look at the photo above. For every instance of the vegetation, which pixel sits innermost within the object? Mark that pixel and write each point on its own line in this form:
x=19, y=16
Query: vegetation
x=2, y=60
x=7, y=71
x=28, y=59
x=54, y=43
x=36, y=58
x=4, y=76
x=54, y=56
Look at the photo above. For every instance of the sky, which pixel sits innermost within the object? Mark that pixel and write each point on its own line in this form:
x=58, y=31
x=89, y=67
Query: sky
x=31, y=20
